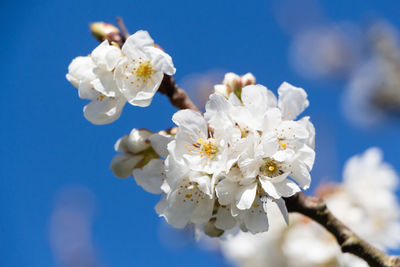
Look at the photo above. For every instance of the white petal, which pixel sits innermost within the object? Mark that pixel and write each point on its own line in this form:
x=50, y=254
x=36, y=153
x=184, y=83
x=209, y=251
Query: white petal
x=138, y=140
x=138, y=40
x=150, y=178
x=179, y=210
x=224, y=221
x=269, y=188
x=104, y=111
x=203, y=211
x=203, y=182
x=245, y=196
x=282, y=207
x=226, y=191
x=123, y=164
x=292, y=130
x=301, y=175
x=292, y=100
x=286, y=188
x=106, y=56
x=80, y=74
x=249, y=167
x=258, y=99
x=160, y=60
x=159, y=142
x=256, y=219
x=191, y=120
x=216, y=105
x=311, y=131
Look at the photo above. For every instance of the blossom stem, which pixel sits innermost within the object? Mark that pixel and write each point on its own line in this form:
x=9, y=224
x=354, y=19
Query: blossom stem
x=125, y=34
x=316, y=209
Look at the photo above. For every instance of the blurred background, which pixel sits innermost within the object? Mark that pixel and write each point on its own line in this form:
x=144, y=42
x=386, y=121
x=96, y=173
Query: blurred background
x=60, y=204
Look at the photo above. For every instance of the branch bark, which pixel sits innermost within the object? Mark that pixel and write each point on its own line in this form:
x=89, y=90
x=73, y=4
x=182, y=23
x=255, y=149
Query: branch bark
x=316, y=209
x=177, y=96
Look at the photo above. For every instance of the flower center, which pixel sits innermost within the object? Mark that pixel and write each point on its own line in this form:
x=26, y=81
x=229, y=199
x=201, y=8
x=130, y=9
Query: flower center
x=145, y=70
x=206, y=147
x=270, y=168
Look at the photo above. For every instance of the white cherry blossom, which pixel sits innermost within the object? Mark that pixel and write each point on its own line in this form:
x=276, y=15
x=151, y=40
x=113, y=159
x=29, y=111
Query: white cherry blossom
x=93, y=76
x=141, y=69
x=135, y=151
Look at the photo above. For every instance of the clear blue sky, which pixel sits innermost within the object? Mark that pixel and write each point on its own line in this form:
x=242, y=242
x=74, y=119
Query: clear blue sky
x=47, y=146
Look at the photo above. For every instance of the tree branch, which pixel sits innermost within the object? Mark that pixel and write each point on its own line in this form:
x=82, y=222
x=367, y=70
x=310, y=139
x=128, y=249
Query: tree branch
x=316, y=209
x=177, y=96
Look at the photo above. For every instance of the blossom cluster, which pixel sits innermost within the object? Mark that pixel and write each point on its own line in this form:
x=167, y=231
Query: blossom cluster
x=111, y=76
x=305, y=243
x=229, y=166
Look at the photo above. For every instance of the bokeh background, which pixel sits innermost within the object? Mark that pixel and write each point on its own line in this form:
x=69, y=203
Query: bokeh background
x=59, y=202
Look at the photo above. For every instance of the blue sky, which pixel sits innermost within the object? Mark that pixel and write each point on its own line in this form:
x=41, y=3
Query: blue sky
x=47, y=146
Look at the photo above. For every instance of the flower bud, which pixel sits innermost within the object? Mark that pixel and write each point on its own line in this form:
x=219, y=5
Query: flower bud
x=247, y=79
x=101, y=30
x=136, y=152
x=232, y=81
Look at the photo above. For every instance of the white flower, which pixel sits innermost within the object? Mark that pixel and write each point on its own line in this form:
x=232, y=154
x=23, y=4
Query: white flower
x=368, y=193
x=200, y=150
x=189, y=198
x=93, y=76
x=135, y=151
x=141, y=69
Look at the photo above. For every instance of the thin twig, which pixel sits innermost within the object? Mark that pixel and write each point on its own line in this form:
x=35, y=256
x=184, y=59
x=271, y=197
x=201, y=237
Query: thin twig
x=316, y=209
x=125, y=34
x=177, y=96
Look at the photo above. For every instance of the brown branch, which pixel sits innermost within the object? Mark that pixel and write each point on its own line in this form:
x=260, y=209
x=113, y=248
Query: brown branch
x=124, y=32
x=177, y=96
x=316, y=209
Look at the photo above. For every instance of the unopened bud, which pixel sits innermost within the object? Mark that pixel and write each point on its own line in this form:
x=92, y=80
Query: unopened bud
x=232, y=81
x=136, y=152
x=248, y=79
x=101, y=31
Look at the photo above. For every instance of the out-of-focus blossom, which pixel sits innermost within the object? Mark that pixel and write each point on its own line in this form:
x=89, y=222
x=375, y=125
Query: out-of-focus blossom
x=374, y=90
x=365, y=202
x=325, y=51
x=71, y=229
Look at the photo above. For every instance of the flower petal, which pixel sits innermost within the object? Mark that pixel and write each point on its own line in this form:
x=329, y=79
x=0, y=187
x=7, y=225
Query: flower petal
x=104, y=111
x=123, y=164
x=150, y=178
x=292, y=100
x=245, y=196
